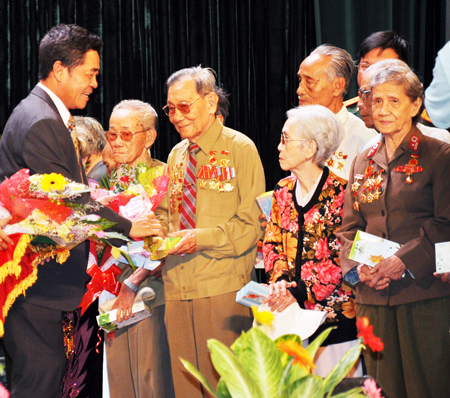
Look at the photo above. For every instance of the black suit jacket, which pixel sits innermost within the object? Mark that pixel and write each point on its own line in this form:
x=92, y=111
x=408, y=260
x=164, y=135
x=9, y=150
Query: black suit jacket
x=35, y=137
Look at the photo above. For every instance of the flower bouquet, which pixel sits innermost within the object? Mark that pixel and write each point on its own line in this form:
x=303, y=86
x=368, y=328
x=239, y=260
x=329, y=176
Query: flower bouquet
x=133, y=192
x=258, y=367
x=43, y=226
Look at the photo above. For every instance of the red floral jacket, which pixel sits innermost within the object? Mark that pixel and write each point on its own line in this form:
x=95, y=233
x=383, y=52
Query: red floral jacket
x=320, y=265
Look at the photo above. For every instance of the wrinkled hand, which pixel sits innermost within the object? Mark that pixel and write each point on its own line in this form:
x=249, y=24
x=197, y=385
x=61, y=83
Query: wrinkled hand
x=187, y=244
x=445, y=276
x=364, y=273
x=263, y=220
x=279, y=297
x=124, y=303
x=5, y=240
x=387, y=270
x=146, y=226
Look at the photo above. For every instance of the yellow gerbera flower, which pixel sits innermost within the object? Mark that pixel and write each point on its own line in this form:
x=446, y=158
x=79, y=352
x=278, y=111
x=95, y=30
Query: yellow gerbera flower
x=262, y=317
x=301, y=356
x=53, y=182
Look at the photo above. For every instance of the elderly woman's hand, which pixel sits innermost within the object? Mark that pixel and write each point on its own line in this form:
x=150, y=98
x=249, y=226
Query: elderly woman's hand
x=387, y=270
x=5, y=240
x=279, y=297
x=445, y=276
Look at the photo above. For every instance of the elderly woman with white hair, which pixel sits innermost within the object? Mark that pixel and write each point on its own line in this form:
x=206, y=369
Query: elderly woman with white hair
x=399, y=190
x=301, y=251
x=92, y=141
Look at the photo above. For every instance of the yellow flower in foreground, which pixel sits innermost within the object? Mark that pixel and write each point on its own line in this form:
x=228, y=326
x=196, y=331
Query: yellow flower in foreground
x=301, y=356
x=262, y=317
x=52, y=182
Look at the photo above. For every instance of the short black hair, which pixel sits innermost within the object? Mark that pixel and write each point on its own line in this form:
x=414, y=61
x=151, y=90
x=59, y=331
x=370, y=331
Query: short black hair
x=383, y=40
x=68, y=44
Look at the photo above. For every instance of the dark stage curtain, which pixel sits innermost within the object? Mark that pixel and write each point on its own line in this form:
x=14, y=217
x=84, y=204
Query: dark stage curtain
x=255, y=46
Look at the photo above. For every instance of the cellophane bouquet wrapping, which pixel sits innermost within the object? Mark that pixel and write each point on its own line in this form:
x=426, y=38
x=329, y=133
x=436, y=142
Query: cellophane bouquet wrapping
x=37, y=206
x=134, y=192
x=45, y=224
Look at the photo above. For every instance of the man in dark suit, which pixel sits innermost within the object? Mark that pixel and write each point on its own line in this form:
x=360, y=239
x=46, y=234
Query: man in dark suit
x=36, y=137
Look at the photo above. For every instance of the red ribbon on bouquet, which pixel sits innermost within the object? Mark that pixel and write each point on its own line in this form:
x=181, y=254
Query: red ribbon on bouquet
x=100, y=280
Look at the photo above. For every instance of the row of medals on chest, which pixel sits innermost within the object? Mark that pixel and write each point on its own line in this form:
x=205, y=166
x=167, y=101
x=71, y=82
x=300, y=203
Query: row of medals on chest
x=217, y=171
x=372, y=185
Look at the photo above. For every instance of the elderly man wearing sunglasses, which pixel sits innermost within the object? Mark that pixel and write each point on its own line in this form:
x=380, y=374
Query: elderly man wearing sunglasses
x=138, y=357
x=221, y=171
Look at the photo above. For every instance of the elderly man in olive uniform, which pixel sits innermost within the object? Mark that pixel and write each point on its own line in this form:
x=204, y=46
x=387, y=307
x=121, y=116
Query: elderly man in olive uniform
x=221, y=171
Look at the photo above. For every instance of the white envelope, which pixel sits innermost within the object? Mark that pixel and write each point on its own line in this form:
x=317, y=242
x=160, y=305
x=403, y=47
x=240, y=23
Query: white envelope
x=294, y=320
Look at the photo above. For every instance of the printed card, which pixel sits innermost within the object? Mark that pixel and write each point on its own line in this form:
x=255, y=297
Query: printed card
x=252, y=293
x=442, y=257
x=265, y=203
x=370, y=249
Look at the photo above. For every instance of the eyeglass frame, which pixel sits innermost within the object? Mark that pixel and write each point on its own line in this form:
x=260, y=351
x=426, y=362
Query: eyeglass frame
x=285, y=139
x=119, y=134
x=167, y=107
x=363, y=93
x=363, y=66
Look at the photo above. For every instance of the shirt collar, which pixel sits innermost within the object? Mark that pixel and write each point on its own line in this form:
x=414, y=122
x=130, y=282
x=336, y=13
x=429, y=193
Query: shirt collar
x=63, y=111
x=207, y=140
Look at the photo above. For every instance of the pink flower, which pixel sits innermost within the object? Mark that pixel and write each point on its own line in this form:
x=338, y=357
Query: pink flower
x=327, y=272
x=284, y=200
x=322, y=249
x=321, y=291
x=306, y=273
x=100, y=234
x=338, y=201
x=99, y=193
x=269, y=257
x=370, y=388
x=311, y=216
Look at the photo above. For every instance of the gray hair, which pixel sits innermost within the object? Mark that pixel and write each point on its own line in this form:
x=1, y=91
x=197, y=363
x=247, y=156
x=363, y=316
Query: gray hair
x=147, y=114
x=91, y=136
x=317, y=123
x=341, y=63
x=373, y=69
x=204, y=79
x=402, y=75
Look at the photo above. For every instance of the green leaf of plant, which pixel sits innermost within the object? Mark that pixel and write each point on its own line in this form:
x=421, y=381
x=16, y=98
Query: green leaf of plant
x=317, y=342
x=295, y=372
x=222, y=390
x=198, y=375
x=353, y=393
x=239, y=382
x=261, y=358
x=310, y=386
x=341, y=369
x=237, y=345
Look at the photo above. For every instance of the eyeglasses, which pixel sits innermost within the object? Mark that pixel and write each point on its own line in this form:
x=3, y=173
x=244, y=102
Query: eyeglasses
x=125, y=135
x=363, y=66
x=285, y=139
x=363, y=93
x=183, y=107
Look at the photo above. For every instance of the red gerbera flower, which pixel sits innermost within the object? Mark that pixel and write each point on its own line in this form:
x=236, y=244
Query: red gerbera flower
x=366, y=332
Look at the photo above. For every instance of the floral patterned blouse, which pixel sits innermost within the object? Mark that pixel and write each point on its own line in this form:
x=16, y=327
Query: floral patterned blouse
x=309, y=254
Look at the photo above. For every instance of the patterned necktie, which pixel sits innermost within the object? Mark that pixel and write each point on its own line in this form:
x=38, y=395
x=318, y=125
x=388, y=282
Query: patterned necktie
x=187, y=219
x=76, y=144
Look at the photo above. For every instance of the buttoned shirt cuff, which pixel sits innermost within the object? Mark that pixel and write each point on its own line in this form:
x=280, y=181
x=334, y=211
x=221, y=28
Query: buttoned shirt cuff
x=352, y=277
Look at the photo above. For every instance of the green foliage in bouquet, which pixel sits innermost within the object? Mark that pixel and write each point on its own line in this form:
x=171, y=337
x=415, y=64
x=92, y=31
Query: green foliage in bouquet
x=258, y=367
